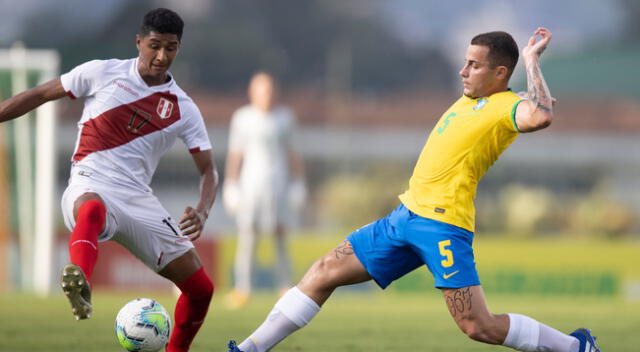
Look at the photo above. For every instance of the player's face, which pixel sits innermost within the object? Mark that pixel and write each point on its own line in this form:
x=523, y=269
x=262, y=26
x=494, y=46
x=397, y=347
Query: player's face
x=262, y=92
x=479, y=79
x=156, y=53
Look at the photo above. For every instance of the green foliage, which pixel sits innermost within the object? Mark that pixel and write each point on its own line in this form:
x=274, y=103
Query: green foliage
x=524, y=211
x=597, y=213
x=353, y=200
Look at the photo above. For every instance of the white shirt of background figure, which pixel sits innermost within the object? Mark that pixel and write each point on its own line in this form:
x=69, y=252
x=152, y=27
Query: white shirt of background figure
x=264, y=173
x=263, y=186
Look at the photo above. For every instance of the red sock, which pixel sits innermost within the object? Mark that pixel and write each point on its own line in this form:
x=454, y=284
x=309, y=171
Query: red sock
x=83, y=244
x=191, y=309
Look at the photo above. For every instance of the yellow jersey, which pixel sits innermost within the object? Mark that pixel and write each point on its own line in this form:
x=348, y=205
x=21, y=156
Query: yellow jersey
x=466, y=141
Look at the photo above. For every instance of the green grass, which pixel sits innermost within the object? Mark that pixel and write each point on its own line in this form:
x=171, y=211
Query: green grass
x=378, y=321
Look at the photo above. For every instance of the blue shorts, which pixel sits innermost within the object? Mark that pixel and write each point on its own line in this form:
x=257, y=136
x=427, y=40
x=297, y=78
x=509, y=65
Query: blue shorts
x=395, y=245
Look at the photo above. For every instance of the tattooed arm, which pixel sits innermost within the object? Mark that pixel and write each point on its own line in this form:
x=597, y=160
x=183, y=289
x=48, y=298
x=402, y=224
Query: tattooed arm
x=535, y=113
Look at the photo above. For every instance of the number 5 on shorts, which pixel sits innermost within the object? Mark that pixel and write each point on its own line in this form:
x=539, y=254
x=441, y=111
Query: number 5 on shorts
x=445, y=252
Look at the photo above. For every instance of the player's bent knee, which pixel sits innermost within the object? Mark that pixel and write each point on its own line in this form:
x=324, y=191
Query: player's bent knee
x=92, y=210
x=197, y=287
x=205, y=289
x=478, y=331
x=321, y=273
x=208, y=294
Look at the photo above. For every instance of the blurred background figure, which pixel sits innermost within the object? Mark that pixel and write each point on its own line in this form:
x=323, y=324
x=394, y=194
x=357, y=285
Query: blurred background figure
x=264, y=182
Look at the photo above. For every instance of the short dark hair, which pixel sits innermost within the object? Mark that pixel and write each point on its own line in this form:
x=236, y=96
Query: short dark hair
x=503, y=50
x=162, y=20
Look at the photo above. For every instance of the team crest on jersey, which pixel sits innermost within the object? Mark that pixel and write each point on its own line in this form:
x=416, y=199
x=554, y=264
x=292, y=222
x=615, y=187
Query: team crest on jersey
x=481, y=103
x=164, y=109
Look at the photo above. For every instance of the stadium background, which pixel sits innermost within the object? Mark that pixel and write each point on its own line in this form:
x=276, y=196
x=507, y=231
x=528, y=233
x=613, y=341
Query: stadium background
x=557, y=215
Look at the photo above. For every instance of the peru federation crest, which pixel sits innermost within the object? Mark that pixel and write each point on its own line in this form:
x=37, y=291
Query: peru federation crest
x=164, y=109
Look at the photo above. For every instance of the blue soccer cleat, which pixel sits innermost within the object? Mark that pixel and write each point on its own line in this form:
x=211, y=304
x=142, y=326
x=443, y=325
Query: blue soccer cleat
x=233, y=347
x=587, y=341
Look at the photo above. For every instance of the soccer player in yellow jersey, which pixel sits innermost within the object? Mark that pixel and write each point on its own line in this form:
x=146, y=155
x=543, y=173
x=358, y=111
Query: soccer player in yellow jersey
x=434, y=223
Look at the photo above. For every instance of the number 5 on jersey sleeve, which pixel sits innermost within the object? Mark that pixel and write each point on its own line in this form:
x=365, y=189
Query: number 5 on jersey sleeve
x=446, y=253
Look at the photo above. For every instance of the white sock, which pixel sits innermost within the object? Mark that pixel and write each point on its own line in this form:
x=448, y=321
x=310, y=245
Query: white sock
x=292, y=311
x=245, y=256
x=554, y=340
x=526, y=334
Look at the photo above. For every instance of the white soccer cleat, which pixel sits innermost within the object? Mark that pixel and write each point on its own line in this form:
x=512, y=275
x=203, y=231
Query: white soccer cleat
x=76, y=287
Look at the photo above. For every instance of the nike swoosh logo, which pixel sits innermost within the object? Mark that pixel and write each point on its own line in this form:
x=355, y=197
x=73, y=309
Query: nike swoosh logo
x=446, y=276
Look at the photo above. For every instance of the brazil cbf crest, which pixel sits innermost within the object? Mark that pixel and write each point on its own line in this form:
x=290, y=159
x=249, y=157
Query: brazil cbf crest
x=164, y=109
x=481, y=103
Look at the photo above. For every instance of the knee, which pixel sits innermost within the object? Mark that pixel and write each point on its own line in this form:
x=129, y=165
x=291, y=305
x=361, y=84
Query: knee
x=479, y=330
x=92, y=210
x=201, y=289
x=322, y=267
x=280, y=232
x=321, y=273
x=206, y=289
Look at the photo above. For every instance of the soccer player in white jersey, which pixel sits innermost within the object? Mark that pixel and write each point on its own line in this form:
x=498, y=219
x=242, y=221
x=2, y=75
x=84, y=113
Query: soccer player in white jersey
x=263, y=173
x=133, y=113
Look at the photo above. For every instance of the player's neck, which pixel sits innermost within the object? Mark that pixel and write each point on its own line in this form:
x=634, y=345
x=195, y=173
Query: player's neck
x=264, y=108
x=155, y=80
x=498, y=89
x=491, y=92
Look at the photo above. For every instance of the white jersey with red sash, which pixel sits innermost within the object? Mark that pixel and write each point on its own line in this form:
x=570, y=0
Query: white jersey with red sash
x=126, y=125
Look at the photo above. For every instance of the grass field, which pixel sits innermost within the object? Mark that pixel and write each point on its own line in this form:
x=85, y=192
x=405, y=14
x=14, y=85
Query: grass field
x=378, y=321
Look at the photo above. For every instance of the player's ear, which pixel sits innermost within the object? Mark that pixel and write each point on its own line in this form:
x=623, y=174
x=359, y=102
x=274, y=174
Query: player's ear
x=138, y=41
x=502, y=72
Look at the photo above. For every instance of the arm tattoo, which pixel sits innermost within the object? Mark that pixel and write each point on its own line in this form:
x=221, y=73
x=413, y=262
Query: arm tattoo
x=343, y=249
x=537, y=88
x=458, y=301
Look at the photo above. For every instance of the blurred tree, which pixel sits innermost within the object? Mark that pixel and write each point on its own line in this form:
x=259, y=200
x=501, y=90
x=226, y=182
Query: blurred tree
x=632, y=25
x=295, y=40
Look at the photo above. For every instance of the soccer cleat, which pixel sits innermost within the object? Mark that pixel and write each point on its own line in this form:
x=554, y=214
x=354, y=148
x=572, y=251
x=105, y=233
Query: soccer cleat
x=587, y=341
x=233, y=347
x=236, y=300
x=76, y=287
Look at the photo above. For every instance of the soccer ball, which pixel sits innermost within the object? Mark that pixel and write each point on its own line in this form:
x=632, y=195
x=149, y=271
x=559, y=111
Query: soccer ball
x=143, y=325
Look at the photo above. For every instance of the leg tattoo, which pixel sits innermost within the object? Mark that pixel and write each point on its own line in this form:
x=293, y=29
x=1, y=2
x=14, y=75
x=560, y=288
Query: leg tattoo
x=458, y=301
x=343, y=249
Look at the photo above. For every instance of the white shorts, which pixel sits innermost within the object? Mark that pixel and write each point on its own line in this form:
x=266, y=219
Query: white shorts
x=134, y=219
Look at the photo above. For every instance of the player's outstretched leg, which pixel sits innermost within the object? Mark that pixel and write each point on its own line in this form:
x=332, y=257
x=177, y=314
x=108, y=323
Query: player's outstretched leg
x=587, y=341
x=299, y=305
x=83, y=252
x=468, y=308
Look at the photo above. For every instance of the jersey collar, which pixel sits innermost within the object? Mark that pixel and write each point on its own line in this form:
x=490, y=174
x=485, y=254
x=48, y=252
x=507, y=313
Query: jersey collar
x=159, y=87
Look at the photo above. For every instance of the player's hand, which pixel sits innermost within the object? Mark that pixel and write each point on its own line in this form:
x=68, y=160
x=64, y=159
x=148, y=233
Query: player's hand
x=535, y=48
x=192, y=223
x=231, y=197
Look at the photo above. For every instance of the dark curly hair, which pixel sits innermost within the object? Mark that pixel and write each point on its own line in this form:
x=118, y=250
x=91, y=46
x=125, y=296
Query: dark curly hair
x=162, y=20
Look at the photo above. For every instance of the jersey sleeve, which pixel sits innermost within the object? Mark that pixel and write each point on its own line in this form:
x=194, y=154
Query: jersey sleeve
x=508, y=119
x=237, y=133
x=194, y=134
x=82, y=81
